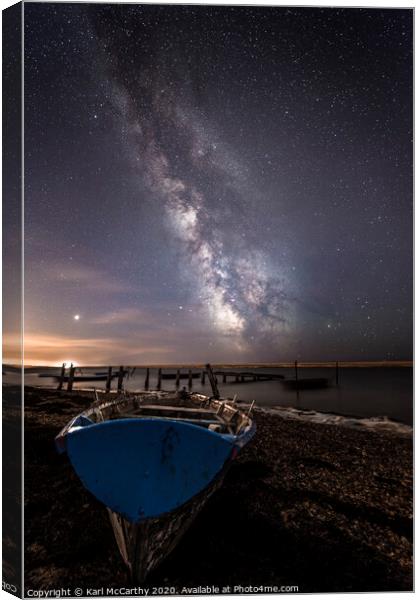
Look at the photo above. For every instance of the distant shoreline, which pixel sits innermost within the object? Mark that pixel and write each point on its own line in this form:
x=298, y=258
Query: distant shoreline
x=256, y=365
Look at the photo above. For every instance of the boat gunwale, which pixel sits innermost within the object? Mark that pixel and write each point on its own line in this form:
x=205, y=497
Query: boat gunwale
x=243, y=429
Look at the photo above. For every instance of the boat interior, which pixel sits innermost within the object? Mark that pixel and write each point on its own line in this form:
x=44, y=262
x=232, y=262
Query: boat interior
x=221, y=416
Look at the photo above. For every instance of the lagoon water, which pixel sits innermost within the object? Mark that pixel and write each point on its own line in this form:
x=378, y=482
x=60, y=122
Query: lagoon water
x=362, y=392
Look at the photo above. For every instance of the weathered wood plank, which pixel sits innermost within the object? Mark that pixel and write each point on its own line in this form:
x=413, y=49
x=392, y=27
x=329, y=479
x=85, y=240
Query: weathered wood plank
x=212, y=381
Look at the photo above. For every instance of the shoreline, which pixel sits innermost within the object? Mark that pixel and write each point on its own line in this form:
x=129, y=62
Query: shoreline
x=381, y=422
x=375, y=423
x=326, y=508
x=368, y=423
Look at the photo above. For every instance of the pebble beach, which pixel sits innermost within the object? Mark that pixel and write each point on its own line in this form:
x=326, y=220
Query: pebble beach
x=324, y=507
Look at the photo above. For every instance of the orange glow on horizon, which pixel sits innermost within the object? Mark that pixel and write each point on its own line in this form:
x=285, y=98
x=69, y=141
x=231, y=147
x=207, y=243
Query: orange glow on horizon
x=45, y=350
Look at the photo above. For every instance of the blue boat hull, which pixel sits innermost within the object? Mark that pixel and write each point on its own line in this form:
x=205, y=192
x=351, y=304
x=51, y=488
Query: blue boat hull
x=144, y=545
x=154, y=460
x=144, y=468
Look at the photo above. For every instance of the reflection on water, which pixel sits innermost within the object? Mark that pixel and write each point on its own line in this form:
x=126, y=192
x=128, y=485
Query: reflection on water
x=362, y=392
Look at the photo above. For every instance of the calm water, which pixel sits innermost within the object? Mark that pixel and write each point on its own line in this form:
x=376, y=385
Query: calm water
x=362, y=392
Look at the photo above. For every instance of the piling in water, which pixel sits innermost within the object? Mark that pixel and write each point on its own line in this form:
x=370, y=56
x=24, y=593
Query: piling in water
x=71, y=377
x=109, y=380
x=120, y=378
x=63, y=371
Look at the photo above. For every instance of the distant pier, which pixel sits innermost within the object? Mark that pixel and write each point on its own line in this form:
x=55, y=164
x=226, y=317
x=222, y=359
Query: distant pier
x=72, y=374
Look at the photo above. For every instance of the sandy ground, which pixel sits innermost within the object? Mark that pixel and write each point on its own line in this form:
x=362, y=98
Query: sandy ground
x=323, y=507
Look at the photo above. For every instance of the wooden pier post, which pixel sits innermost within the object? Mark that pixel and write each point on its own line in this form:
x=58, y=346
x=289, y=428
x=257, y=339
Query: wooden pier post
x=71, y=377
x=236, y=378
x=63, y=372
x=189, y=379
x=146, y=381
x=336, y=373
x=159, y=381
x=203, y=377
x=296, y=374
x=213, y=382
x=120, y=379
x=178, y=374
x=224, y=377
x=108, y=380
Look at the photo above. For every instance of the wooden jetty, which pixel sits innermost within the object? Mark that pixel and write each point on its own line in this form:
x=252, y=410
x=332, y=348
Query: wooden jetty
x=70, y=377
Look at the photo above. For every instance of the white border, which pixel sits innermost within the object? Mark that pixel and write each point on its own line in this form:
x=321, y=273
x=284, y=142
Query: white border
x=293, y=3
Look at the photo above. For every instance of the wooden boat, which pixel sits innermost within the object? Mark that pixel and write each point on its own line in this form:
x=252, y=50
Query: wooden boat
x=82, y=377
x=103, y=376
x=154, y=459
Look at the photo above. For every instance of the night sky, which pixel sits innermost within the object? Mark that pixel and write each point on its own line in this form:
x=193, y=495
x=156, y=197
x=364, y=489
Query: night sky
x=217, y=183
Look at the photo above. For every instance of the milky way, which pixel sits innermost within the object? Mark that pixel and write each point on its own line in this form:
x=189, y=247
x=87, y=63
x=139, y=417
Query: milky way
x=189, y=167
x=237, y=179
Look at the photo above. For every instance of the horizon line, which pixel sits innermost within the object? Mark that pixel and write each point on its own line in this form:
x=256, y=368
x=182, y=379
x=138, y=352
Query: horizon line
x=201, y=365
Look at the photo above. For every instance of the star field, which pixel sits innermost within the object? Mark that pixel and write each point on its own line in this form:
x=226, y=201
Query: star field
x=218, y=183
